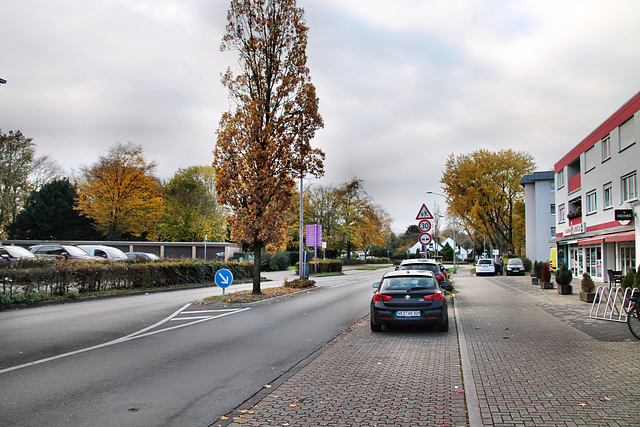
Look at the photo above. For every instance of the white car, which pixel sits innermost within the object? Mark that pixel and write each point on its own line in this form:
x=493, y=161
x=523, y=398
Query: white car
x=485, y=266
x=101, y=251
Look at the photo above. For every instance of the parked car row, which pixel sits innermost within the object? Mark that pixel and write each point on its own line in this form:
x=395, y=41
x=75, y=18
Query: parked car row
x=488, y=266
x=63, y=252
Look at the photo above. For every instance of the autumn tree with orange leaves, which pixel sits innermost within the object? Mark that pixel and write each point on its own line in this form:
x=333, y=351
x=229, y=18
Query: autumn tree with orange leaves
x=263, y=144
x=121, y=194
x=485, y=190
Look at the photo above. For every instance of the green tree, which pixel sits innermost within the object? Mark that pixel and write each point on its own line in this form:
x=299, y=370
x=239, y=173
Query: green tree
x=485, y=190
x=49, y=214
x=121, y=194
x=264, y=144
x=16, y=155
x=192, y=209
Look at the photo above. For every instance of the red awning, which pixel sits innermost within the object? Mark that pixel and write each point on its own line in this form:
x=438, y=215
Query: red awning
x=591, y=241
x=625, y=236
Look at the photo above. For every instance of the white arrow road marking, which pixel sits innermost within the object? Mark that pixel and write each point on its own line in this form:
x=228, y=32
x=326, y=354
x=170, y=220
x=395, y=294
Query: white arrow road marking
x=139, y=334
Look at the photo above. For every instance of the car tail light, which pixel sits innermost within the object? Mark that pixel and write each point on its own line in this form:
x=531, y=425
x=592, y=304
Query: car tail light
x=440, y=277
x=434, y=297
x=379, y=297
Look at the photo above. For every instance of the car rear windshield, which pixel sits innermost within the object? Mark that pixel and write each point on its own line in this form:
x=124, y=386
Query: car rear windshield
x=404, y=283
x=485, y=261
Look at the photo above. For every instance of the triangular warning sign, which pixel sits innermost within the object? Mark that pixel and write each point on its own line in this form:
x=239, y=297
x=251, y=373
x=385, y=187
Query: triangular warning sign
x=424, y=213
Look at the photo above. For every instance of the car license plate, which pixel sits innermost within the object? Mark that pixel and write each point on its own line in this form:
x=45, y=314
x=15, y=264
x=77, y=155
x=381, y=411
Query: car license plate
x=408, y=313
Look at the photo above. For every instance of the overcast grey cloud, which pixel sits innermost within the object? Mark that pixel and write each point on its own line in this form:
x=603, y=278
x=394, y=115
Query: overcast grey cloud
x=402, y=84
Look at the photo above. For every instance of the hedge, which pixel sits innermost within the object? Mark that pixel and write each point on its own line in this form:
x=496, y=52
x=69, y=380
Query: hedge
x=331, y=266
x=60, y=278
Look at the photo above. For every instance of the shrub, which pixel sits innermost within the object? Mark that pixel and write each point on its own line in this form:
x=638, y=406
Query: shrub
x=527, y=263
x=545, y=273
x=299, y=283
x=629, y=281
x=587, y=284
x=537, y=269
x=564, y=276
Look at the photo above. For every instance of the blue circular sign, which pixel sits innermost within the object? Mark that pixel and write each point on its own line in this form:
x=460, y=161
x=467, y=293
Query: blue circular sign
x=223, y=278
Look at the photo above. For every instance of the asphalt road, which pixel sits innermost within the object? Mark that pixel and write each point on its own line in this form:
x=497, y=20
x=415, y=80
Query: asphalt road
x=158, y=359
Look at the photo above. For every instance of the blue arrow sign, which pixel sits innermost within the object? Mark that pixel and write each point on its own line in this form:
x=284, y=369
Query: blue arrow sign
x=223, y=278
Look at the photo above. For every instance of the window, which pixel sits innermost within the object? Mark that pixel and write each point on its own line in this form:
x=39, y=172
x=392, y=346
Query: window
x=590, y=159
x=592, y=205
x=627, y=134
x=553, y=209
x=561, y=214
x=628, y=187
x=553, y=232
x=552, y=186
x=606, y=148
x=560, y=179
x=607, y=196
x=593, y=260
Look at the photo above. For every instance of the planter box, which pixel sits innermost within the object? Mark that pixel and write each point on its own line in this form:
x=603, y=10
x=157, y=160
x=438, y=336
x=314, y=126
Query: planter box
x=534, y=280
x=565, y=289
x=546, y=285
x=587, y=296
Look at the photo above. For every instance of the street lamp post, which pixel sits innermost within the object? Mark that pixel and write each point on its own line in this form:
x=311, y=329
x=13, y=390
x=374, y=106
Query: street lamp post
x=455, y=268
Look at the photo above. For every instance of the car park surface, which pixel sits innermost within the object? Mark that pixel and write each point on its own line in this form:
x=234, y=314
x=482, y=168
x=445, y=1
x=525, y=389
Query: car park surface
x=409, y=297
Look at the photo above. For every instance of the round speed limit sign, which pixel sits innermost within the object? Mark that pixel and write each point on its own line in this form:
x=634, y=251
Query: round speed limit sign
x=424, y=226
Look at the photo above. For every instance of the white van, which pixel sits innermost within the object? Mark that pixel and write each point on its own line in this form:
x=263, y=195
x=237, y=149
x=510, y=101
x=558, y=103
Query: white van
x=107, y=252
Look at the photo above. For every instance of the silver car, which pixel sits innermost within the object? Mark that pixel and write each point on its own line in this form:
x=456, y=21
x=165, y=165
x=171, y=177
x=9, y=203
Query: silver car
x=515, y=266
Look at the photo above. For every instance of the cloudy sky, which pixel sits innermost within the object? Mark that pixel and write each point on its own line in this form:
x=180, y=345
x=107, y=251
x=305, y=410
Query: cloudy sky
x=402, y=84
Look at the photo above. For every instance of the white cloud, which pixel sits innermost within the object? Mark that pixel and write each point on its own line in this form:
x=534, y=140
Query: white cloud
x=401, y=84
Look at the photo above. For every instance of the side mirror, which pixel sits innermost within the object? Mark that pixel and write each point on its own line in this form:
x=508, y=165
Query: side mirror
x=376, y=285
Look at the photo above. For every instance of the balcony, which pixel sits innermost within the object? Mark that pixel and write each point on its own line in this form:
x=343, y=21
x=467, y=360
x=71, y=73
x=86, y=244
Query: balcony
x=574, y=183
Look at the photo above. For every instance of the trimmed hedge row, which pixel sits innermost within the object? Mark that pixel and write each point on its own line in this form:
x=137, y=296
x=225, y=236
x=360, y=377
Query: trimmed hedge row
x=358, y=261
x=59, y=278
x=331, y=266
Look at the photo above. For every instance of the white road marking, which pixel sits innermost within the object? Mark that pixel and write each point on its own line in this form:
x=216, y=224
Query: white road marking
x=139, y=334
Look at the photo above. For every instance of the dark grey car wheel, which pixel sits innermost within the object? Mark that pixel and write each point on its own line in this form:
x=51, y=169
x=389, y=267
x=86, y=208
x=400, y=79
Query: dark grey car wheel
x=375, y=327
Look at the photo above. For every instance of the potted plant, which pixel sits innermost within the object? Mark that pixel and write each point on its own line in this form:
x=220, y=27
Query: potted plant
x=545, y=277
x=537, y=272
x=564, y=276
x=587, y=286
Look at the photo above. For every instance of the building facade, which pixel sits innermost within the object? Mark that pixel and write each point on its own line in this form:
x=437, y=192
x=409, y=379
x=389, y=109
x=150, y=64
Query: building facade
x=540, y=214
x=596, y=197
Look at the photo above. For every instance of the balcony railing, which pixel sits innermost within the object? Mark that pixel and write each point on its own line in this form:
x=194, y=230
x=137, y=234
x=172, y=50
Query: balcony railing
x=574, y=183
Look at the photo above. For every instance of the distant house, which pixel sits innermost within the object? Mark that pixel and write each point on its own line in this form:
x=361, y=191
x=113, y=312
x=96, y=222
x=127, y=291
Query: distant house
x=436, y=247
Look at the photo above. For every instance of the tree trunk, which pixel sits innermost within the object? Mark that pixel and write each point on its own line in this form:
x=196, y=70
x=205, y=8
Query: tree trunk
x=257, y=256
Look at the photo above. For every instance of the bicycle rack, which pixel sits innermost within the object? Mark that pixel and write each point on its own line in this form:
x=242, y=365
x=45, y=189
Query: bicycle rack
x=611, y=304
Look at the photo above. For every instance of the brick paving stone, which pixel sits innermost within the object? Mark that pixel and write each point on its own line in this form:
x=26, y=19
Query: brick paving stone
x=540, y=349
x=396, y=377
x=536, y=359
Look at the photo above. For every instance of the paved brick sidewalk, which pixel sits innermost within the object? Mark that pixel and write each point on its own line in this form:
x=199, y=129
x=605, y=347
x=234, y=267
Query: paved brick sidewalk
x=396, y=377
x=533, y=365
x=530, y=358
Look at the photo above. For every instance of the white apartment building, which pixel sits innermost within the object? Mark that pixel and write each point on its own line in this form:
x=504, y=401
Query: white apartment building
x=596, y=197
x=540, y=214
